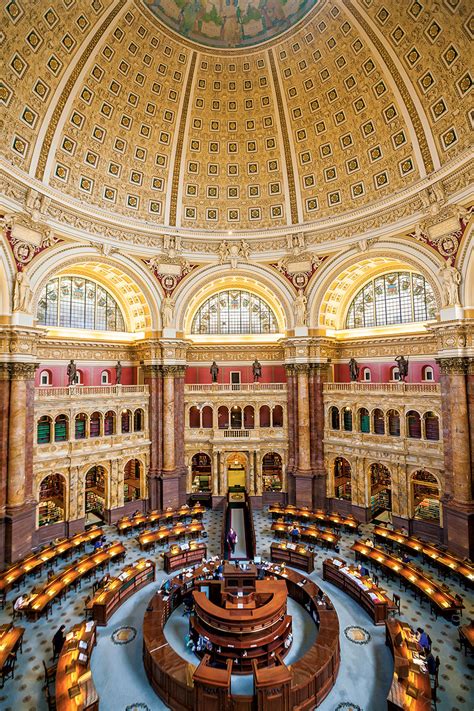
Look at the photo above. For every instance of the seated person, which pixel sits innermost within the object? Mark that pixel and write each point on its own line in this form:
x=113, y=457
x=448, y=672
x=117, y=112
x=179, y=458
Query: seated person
x=431, y=663
x=295, y=534
x=20, y=602
x=406, y=558
x=423, y=639
x=58, y=640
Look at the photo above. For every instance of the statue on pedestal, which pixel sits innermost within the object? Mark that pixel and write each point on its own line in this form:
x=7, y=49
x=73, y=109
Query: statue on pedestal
x=402, y=363
x=451, y=279
x=354, y=370
x=167, y=309
x=214, y=371
x=22, y=293
x=256, y=370
x=118, y=373
x=299, y=307
x=71, y=373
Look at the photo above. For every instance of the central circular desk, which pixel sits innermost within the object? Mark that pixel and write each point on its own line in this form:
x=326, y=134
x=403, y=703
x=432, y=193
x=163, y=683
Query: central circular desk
x=184, y=686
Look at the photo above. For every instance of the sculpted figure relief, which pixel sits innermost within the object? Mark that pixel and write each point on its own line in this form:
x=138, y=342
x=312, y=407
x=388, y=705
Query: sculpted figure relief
x=22, y=294
x=167, y=310
x=450, y=281
x=299, y=307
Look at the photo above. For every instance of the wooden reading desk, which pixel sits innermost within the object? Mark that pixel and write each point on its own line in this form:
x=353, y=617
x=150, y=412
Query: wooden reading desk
x=309, y=533
x=39, y=600
x=306, y=515
x=374, y=600
x=11, y=639
x=164, y=535
x=445, y=560
x=116, y=590
x=182, y=556
x=129, y=522
x=75, y=689
x=293, y=554
x=438, y=597
x=34, y=562
x=411, y=688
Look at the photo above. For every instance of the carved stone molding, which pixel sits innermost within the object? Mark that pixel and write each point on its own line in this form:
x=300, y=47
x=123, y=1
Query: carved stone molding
x=301, y=367
x=173, y=371
x=453, y=366
x=152, y=371
x=18, y=371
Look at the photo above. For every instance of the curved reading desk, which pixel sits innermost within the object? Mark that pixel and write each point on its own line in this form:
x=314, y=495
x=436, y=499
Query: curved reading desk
x=182, y=686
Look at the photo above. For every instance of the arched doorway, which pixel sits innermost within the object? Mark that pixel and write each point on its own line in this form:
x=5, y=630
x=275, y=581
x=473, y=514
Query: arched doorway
x=200, y=473
x=236, y=471
x=132, y=480
x=342, y=479
x=425, y=496
x=95, y=494
x=52, y=500
x=272, y=472
x=380, y=491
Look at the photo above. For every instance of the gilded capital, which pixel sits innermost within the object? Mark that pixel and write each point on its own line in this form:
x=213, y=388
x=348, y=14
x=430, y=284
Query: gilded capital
x=152, y=371
x=302, y=367
x=173, y=371
x=22, y=371
x=453, y=366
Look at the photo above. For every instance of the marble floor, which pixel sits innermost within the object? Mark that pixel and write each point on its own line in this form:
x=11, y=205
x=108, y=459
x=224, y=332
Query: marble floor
x=366, y=665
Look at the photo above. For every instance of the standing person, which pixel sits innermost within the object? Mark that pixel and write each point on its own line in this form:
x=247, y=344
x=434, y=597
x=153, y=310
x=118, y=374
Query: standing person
x=58, y=640
x=232, y=539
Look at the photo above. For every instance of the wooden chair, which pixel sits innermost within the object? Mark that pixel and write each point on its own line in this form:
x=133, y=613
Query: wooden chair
x=49, y=673
x=50, y=699
x=397, y=603
x=8, y=669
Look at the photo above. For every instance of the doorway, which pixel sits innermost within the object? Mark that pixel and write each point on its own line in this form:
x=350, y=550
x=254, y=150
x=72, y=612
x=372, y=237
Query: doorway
x=95, y=495
x=236, y=471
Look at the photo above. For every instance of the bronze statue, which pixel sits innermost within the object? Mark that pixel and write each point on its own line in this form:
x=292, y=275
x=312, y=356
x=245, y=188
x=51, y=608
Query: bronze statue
x=214, y=371
x=118, y=373
x=256, y=370
x=71, y=373
x=354, y=369
x=402, y=363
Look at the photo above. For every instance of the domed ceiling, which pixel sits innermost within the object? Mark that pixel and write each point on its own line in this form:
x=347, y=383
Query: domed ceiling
x=230, y=23
x=103, y=103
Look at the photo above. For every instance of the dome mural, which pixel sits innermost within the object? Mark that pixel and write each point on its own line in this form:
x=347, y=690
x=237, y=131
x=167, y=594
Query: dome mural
x=230, y=23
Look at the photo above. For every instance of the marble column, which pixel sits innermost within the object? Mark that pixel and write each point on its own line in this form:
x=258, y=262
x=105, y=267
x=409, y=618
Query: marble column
x=458, y=503
x=171, y=475
x=21, y=506
x=317, y=377
x=291, y=415
x=303, y=475
x=153, y=378
x=179, y=431
x=4, y=413
x=215, y=473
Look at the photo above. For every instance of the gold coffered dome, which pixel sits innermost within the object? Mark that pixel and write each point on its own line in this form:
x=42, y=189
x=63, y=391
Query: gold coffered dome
x=103, y=103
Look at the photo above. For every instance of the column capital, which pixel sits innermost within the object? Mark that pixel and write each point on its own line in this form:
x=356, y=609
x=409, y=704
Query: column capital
x=454, y=366
x=173, y=371
x=18, y=371
x=152, y=370
x=302, y=367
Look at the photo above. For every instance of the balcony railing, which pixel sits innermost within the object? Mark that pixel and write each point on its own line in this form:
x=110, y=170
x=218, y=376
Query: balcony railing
x=75, y=391
x=236, y=434
x=394, y=388
x=229, y=387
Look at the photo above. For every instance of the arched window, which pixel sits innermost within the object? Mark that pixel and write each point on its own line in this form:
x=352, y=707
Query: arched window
x=105, y=377
x=80, y=426
x=234, y=311
x=364, y=420
x=194, y=417
x=366, y=375
x=342, y=479
x=235, y=418
x=138, y=420
x=277, y=416
x=125, y=421
x=249, y=417
x=223, y=417
x=347, y=419
x=334, y=418
x=75, y=302
x=272, y=472
x=61, y=424
x=425, y=493
x=413, y=425
x=431, y=423
x=109, y=423
x=264, y=416
x=131, y=480
x=398, y=297
x=95, y=424
x=45, y=378
x=207, y=417
x=52, y=497
x=394, y=373
x=43, y=431
x=379, y=422
x=393, y=423
x=427, y=373
x=201, y=473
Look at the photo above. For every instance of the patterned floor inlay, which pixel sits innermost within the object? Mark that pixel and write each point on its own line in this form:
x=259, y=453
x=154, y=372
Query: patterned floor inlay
x=124, y=635
x=347, y=706
x=358, y=635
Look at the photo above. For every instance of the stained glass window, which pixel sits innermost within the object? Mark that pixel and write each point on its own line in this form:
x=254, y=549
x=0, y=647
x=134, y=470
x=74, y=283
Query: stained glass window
x=398, y=297
x=75, y=302
x=234, y=311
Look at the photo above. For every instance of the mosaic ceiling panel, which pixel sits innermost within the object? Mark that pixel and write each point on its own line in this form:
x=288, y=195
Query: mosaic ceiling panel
x=230, y=23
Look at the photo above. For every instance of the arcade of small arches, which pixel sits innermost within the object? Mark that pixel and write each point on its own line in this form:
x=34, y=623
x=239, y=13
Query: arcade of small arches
x=235, y=417
x=412, y=424
x=87, y=425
